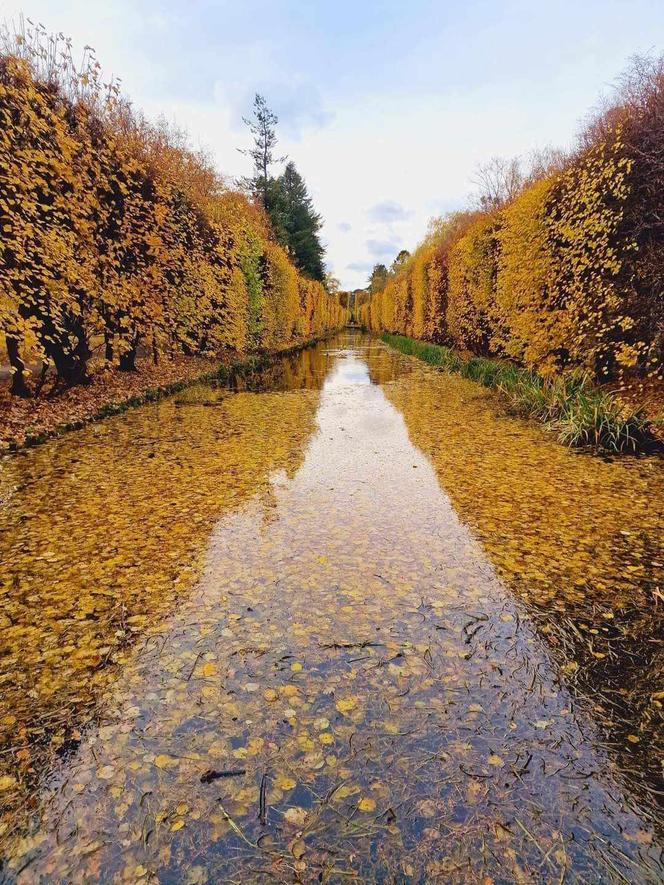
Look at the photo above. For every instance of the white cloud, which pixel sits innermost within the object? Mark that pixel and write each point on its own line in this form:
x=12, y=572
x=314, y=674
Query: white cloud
x=383, y=248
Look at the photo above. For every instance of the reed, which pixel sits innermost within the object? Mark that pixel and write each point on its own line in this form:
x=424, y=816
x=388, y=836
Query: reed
x=580, y=414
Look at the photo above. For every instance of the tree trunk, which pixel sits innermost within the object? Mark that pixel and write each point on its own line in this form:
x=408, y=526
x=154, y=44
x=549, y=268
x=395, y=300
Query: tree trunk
x=19, y=386
x=71, y=369
x=128, y=358
x=70, y=365
x=75, y=364
x=42, y=377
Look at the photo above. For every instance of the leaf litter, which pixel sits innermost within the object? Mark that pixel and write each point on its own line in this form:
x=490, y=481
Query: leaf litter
x=448, y=719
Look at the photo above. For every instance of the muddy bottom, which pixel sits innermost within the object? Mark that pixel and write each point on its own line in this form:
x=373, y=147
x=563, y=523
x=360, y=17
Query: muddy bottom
x=365, y=671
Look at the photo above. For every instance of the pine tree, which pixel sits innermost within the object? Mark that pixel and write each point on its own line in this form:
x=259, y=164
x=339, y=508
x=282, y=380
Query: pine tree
x=263, y=127
x=295, y=221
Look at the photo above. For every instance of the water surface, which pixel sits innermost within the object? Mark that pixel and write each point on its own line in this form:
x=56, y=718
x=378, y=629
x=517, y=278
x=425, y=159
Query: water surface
x=350, y=622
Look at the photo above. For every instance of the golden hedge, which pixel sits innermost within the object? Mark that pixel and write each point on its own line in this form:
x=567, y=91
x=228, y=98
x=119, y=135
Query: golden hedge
x=113, y=232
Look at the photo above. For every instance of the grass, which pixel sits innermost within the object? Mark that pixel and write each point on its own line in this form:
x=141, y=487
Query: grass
x=579, y=413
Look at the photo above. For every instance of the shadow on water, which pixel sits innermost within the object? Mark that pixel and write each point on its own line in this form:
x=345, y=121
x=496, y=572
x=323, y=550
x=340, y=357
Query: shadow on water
x=394, y=662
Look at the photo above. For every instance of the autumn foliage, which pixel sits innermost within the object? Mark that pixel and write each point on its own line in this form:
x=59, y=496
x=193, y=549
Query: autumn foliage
x=115, y=236
x=568, y=272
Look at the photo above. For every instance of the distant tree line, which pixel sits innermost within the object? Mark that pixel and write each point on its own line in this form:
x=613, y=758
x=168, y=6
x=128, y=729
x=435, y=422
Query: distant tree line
x=380, y=276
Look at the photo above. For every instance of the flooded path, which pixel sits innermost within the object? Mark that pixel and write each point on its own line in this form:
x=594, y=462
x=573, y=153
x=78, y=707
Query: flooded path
x=352, y=624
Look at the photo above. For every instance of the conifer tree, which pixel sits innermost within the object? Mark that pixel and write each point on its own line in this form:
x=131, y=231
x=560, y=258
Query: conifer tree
x=296, y=222
x=263, y=128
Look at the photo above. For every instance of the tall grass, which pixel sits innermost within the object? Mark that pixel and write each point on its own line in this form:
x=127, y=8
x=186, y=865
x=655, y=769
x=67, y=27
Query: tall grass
x=579, y=413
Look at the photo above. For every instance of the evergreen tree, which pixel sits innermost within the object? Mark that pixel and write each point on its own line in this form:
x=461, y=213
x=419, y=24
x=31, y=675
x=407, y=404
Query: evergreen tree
x=285, y=199
x=295, y=221
x=263, y=127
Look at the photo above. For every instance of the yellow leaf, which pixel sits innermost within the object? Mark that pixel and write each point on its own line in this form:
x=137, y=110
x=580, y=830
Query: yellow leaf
x=164, y=761
x=296, y=816
x=298, y=848
x=345, y=705
x=283, y=782
x=346, y=790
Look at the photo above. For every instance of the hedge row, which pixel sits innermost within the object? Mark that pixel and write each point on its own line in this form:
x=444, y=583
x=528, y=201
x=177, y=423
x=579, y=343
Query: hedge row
x=114, y=235
x=567, y=274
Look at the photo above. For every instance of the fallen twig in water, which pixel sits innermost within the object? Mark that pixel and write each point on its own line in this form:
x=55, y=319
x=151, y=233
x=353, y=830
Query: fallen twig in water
x=212, y=775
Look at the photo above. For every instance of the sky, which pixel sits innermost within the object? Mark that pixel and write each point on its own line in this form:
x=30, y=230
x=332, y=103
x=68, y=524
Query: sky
x=385, y=107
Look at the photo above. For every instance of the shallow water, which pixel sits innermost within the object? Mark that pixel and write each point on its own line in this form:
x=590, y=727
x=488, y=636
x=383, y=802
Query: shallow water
x=351, y=621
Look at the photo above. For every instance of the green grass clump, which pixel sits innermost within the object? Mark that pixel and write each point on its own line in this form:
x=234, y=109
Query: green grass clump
x=579, y=413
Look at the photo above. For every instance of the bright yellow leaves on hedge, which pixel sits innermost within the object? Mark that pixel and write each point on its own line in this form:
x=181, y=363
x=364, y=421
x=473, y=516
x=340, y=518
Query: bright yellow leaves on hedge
x=554, y=279
x=528, y=323
x=113, y=231
x=594, y=258
x=471, y=311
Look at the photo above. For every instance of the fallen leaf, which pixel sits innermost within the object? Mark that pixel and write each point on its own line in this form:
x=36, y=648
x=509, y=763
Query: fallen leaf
x=296, y=816
x=284, y=782
x=164, y=761
x=297, y=848
x=345, y=705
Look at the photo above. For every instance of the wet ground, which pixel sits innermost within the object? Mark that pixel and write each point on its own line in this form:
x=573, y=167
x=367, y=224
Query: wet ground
x=351, y=622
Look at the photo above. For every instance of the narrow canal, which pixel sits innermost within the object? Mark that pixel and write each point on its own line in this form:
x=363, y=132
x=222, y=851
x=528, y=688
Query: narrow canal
x=349, y=621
